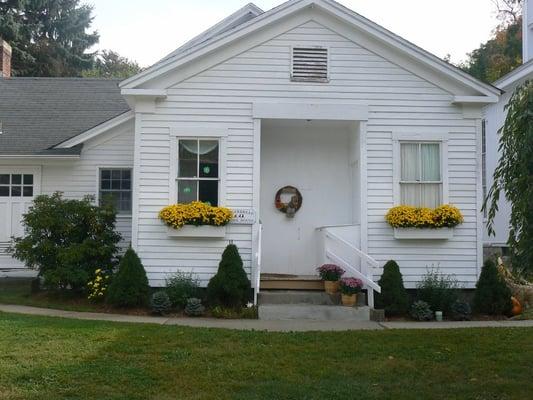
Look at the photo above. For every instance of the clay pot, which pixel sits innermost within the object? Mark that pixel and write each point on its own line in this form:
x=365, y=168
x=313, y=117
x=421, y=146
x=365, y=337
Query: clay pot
x=349, y=300
x=517, y=307
x=331, y=287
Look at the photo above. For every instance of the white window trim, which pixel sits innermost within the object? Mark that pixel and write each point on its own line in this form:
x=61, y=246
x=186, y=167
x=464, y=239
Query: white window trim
x=97, y=192
x=195, y=133
x=434, y=137
x=303, y=81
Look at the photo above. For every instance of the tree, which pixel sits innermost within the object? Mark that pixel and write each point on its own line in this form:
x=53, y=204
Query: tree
x=503, y=52
x=110, y=64
x=49, y=38
x=129, y=287
x=514, y=176
x=492, y=295
x=393, y=297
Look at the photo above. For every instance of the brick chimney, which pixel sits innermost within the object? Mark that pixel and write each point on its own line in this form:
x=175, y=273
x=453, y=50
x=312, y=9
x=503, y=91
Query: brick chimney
x=527, y=31
x=5, y=59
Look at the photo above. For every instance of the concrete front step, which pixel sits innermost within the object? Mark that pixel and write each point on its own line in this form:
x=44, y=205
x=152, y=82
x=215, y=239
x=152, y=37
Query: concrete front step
x=274, y=312
x=304, y=297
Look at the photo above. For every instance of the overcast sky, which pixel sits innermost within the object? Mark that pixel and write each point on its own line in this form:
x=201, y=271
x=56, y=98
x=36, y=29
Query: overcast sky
x=146, y=30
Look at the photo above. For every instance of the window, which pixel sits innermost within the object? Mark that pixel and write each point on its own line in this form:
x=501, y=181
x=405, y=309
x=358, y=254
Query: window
x=115, y=189
x=484, y=161
x=198, y=170
x=16, y=185
x=309, y=64
x=421, y=177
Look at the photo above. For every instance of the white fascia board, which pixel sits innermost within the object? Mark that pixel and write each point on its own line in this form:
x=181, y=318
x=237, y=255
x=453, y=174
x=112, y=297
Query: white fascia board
x=40, y=156
x=475, y=99
x=96, y=131
x=524, y=71
x=337, y=11
x=187, y=55
x=328, y=112
x=145, y=93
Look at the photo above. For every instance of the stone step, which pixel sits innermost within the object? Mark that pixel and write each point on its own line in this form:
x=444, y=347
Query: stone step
x=274, y=312
x=304, y=297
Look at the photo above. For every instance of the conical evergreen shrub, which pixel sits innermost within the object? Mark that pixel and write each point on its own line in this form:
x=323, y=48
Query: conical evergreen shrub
x=492, y=295
x=230, y=287
x=393, y=297
x=129, y=287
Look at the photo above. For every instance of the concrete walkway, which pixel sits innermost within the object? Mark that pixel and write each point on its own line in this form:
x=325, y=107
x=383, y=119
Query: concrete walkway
x=261, y=325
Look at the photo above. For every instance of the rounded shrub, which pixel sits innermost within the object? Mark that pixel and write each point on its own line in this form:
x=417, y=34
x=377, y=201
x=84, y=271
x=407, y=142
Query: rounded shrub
x=393, y=297
x=129, y=287
x=160, y=303
x=492, y=295
x=421, y=311
x=194, y=307
x=230, y=287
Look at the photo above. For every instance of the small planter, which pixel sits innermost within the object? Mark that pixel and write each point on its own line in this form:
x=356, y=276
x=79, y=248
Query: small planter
x=423, y=233
x=331, y=287
x=349, y=300
x=191, y=231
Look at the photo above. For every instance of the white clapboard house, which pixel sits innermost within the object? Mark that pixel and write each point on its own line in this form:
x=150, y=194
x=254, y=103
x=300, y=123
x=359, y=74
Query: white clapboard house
x=309, y=95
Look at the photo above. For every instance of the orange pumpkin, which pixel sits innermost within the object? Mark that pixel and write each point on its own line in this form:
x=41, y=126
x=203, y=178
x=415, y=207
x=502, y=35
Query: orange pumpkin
x=517, y=307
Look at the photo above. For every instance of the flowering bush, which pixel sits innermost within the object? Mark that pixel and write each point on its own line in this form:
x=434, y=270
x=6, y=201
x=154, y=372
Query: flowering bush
x=417, y=217
x=98, y=286
x=195, y=213
x=330, y=272
x=350, y=286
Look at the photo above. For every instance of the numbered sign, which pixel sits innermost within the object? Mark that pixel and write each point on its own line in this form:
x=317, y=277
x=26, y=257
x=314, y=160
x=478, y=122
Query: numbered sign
x=243, y=216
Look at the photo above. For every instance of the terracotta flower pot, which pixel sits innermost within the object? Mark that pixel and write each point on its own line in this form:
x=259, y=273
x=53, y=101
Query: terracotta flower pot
x=349, y=300
x=331, y=287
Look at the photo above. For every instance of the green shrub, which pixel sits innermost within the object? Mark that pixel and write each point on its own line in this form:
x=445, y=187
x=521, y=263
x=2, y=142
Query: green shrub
x=129, y=287
x=67, y=240
x=421, y=311
x=461, y=311
x=181, y=287
x=492, y=295
x=393, y=297
x=160, y=303
x=194, y=307
x=230, y=287
x=440, y=291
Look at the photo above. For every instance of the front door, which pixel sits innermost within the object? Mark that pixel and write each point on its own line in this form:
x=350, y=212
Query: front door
x=18, y=188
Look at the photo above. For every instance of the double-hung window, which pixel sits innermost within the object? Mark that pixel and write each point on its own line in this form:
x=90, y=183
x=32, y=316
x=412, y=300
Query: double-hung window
x=421, y=174
x=198, y=171
x=116, y=189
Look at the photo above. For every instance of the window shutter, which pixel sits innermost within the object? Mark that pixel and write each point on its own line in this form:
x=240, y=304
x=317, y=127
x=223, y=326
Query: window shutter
x=309, y=64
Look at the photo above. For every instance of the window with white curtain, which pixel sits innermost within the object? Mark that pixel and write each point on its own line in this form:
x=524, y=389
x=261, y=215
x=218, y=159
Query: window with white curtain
x=198, y=171
x=421, y=175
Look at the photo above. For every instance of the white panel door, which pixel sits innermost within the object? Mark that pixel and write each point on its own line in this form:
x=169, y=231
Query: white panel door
x=18, y=188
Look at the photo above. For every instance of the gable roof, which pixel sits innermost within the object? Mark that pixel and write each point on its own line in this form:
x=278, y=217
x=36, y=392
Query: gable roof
x=523, y=71
x=186, y=55
x=38, y=113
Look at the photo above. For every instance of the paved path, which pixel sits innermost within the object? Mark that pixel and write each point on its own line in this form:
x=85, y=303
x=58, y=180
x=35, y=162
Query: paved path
x=261, y=325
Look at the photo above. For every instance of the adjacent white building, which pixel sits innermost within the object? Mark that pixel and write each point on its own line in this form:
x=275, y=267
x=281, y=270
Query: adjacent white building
x=309, y=95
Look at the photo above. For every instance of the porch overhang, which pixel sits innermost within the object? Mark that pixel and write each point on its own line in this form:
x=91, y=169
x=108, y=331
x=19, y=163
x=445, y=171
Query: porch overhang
x=311, y=111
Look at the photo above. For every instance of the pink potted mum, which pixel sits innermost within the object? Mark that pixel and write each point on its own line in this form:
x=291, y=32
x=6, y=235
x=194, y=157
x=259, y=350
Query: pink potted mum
x=349, y=289
x=330, y=274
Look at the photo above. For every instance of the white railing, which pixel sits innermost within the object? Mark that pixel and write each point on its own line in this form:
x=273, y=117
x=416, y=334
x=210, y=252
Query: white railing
x=340, y=251
x=257, y=263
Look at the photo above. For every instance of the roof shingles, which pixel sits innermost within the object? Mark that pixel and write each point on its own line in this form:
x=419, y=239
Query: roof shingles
x=39, y=113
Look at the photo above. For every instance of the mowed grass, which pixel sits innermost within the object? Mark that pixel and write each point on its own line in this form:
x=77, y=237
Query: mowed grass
x=49, y=358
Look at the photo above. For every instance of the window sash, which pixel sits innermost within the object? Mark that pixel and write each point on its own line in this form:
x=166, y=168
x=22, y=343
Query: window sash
x=117, y=194
x=421, y=194
x=198, y=178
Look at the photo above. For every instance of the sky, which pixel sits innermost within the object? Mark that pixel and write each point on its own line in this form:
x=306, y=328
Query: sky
x=147, y=30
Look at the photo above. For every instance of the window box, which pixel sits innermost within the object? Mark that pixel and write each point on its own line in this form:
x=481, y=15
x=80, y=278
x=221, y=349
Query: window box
x=191, y=231
x=423, y=233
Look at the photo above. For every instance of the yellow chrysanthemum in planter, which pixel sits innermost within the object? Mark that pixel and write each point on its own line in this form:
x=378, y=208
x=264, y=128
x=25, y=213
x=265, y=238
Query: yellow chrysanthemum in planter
x=418, y=217
x=195, y=213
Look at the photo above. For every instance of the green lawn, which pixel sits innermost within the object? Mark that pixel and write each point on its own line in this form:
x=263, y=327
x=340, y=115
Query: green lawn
x=47, y=358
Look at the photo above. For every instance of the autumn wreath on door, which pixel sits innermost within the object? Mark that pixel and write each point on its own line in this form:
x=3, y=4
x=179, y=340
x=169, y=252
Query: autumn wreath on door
x=288, y=200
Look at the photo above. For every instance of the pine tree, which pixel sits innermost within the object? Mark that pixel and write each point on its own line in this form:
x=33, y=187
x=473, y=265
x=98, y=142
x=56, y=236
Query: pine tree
x=230, y=287
x=49, y=38
x=129, y=287
x=492, y=295
x=393, y=297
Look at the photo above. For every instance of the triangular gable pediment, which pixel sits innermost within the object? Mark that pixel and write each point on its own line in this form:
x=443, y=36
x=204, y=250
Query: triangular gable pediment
x=333, y=16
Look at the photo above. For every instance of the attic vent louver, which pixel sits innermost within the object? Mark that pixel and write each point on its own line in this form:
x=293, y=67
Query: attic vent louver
x=309, y=64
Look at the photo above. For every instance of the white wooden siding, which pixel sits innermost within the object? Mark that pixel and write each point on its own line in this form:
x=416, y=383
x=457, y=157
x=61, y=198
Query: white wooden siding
x=78, y=178
x=222, y=97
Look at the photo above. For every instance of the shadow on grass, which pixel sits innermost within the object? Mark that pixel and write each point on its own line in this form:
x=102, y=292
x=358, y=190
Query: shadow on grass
x=64, y=359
